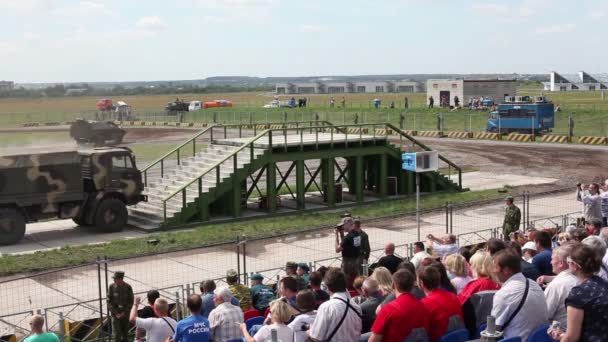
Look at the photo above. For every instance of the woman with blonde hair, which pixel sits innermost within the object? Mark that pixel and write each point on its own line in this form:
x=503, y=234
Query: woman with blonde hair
x=456, y=266
x=564, y=237
x=481, y=266
x=279, y=314
x=385, y=280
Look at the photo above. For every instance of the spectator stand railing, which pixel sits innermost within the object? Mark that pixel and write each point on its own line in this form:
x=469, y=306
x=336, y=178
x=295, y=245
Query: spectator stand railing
x=16, y=324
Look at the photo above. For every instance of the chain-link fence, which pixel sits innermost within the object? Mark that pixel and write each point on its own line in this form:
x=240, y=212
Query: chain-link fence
x=73, y=300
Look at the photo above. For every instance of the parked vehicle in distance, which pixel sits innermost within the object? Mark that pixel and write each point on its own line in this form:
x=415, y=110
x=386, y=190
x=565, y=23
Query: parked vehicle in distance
x=217, y=104
x=522, y=114
x=281, y=104
x=195, y=105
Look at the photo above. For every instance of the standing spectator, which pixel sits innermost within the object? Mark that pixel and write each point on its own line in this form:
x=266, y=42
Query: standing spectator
x=592, y=203
x=389, y=260
x=343, y=102
x=261, y=294
x=456, y=102
x=456, y=266
x=279, y=315
x=527, y=269
x=338, y=319
x=374, y=297
x=559, y=286
x=440, y=304
x=37, y=333
x=120, y=300
x=350, y=247
x=542, y=260
x=383, y=276
x=399, y=318
x=332, y=101
x=419, y=254
x=519, y=306
x=147, y=312
x=604, y=236
x=196, y=327
x=604, y=204
x=239, y=291
x=495, y=245
x=225, y=319
x=302, y=322
x=158, y=329
x=481, y=267
x=365, y=248
x=587, y=303
x=431, y=102
x=406, y=103
x=442, y=246
x=512, y=218
x=302, y=273
x=470, y=103
x=315, y=286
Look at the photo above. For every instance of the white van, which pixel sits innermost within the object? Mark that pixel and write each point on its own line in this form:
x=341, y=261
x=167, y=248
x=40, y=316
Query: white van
x=194, y=105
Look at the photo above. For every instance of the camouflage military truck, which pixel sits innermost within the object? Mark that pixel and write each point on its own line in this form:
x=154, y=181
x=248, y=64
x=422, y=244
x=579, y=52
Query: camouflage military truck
x=91, y=186
x=97, y=132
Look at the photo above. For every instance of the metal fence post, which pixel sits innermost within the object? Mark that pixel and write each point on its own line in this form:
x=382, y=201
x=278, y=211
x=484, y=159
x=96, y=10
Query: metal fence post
x=446, y=217
x=245, y=260
x=178, y=306
x=451, y=209
x=100, y=292
x=238, y=258
x=61, y=327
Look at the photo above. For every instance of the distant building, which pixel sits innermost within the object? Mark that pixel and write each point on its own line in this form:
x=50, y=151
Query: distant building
x=465, y=89
x=585, y=82
x=7, y=85
x=340, y=87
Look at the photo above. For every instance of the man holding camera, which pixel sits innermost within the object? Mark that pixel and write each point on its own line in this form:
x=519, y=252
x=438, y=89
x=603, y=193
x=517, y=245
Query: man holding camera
x=592, y=203
x=350, y=247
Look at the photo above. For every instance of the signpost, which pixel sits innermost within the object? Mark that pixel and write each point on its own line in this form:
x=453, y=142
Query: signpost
x=418, y=163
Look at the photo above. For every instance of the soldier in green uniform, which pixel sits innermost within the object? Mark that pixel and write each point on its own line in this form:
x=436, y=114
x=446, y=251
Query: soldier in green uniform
x=239, y=291
x=291, y=271
x=512, y=219
x=261, y=294
x=365, y=249
x=120, y=300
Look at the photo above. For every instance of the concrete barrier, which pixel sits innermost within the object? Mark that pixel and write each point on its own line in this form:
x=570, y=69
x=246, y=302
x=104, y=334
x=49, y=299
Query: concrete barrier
x=592, y=140
x=554, y=138
x=487, y=136
x=431, y=134
x=460, y=135
x=520, y=137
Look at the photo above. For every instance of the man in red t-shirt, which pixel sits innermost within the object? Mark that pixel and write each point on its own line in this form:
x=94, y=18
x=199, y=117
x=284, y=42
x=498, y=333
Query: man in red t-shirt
x=440, y=304
x=400, y=317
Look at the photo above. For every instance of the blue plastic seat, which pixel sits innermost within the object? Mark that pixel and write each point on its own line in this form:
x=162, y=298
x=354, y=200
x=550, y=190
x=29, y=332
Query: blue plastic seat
x=512, y=339
x=460, y=335
x=236, y=340
x=540, y=334
x=254, y=321
x=481, y=328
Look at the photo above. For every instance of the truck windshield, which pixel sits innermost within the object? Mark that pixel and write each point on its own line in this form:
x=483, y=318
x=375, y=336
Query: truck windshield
x=122, y=162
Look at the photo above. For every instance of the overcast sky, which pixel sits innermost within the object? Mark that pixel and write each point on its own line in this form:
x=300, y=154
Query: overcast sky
x=131, y=40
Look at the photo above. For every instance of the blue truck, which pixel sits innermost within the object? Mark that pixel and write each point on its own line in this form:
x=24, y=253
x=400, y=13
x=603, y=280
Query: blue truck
x=522, y=114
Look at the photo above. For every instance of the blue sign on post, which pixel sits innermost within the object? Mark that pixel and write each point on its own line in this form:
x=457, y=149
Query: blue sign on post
x=409, y=161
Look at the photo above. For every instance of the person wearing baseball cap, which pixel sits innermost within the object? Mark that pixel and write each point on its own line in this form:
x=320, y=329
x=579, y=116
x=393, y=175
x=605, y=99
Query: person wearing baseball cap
x=350, y=248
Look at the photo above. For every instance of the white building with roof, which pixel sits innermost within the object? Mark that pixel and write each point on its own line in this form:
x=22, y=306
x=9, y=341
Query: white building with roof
x=581, y=82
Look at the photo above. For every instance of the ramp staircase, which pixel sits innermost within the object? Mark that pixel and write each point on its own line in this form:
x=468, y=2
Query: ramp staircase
x=184, y=185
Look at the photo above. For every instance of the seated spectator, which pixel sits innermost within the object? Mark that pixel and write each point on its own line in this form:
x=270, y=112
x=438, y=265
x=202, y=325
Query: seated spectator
x=579, y=234
x=481, y=266
x=604, y=236
x=147, y=312
x=226, y=318
x=587, y=303
x=279, y=315
x=542, y=260
x=495, y=245
x=563, y=238
x=37, y=334
x=441, y=305
x=419, y=254
x=288, y=289
x=303, y=273
x=389, y=260
x=315, y=286
x=194, y=328
x=358, y=286
x=291, y=270
x=330, y=323
x=444, y=280
x=519, y=306
x=559, y=287
x=466, y=253
x=158, y=329
x=456, y=266
x=301, y=323
x=261, y=295
x=442, y=246
x=368, y=308
x=398, y=319
x=599, y=246
x=383, y=276
x=416, y=291
x=239, y=291
x=207, y=287
x=593, y=227
x=527, y=269
x=528, y=251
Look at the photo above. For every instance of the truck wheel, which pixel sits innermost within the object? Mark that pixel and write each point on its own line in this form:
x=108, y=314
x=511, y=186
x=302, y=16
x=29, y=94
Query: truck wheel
x=12, y=226
x=111, y=215
x=80, y=222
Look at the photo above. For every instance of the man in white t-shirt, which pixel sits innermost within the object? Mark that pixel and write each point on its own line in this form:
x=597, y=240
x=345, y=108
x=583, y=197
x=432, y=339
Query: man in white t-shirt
x=158, y=329
x=419, y=254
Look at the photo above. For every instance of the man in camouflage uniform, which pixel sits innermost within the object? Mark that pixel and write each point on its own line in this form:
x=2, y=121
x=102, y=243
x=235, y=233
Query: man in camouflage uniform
x=239, y=291
x=261, y=295
x=365, y=249
x=120, y=301
x=291, y=271
x=512, y=218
